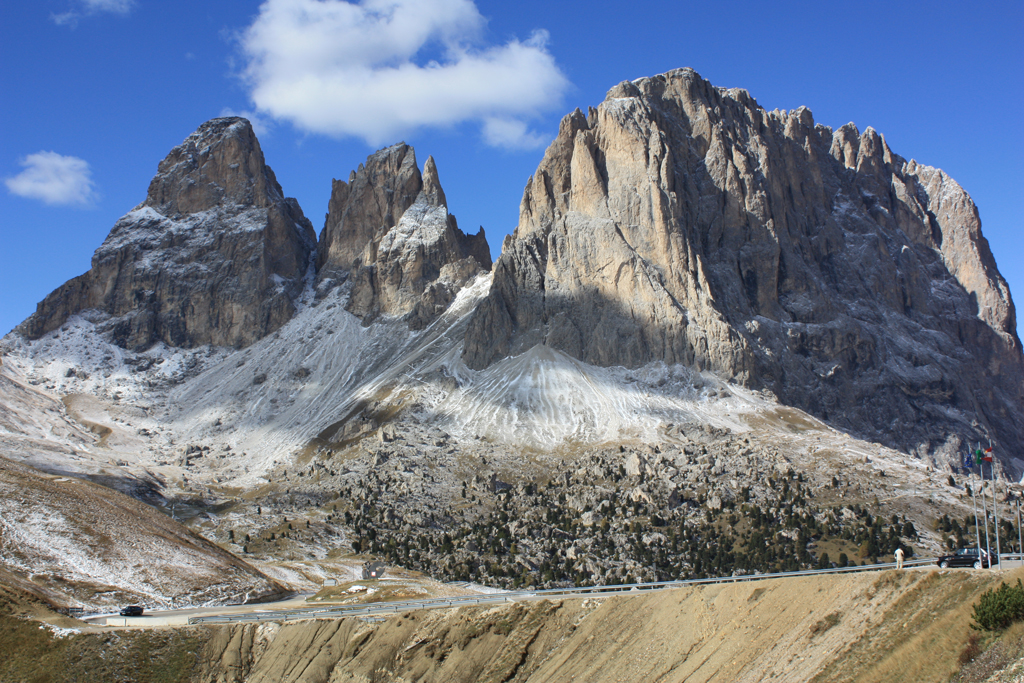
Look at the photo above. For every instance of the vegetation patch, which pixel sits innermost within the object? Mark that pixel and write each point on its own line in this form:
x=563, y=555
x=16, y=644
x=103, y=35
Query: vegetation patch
x=971, y=650
x=988, y=658
x=521, y=536
x=35, y=654
x=997, y=609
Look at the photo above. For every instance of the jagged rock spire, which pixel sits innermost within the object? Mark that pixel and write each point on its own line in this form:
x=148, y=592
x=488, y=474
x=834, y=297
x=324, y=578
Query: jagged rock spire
x=389, y=230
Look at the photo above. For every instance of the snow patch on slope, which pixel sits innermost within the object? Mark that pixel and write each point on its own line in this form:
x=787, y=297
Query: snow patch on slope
x=543, y=399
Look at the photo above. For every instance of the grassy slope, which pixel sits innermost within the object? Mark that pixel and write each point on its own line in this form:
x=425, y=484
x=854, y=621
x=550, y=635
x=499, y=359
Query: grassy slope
x=910, y=626
x=923, y=634
x=33, y=654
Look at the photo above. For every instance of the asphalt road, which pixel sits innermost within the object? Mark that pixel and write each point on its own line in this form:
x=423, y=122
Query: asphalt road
x=295, y=607
x=182, y=616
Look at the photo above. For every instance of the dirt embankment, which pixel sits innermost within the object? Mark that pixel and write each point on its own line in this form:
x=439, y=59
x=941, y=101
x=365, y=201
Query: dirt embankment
x=909, y=626
x=868, y=627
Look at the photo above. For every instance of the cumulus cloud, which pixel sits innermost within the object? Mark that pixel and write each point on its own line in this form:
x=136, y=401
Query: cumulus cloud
x=54, y=179
x=260, y=124
x=88, y=7
x=510, y=133
x=378, y=69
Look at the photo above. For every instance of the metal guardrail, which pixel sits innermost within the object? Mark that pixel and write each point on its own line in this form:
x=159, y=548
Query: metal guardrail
x=379, y=608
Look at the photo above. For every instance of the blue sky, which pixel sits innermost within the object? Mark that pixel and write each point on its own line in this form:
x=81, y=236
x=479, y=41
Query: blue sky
x=96, y=92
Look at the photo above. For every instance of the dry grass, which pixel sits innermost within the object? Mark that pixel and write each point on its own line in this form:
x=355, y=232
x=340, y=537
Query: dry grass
x=924, y=634
x=993, y=658
x=32, y=654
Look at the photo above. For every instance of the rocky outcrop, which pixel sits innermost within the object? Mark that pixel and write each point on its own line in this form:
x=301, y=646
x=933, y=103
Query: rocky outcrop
x=683, y=223
x=389, y=230
x=371, y=202
x=215, y=254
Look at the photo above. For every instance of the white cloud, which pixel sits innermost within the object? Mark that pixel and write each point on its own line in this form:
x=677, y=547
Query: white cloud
x=511, y=133
x=115, y=6
x=260, y=124
x=54, y=179
x=364, y=69
x=85, y=8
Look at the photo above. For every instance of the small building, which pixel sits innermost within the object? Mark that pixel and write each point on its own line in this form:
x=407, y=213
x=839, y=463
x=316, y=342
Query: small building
x=373, y=570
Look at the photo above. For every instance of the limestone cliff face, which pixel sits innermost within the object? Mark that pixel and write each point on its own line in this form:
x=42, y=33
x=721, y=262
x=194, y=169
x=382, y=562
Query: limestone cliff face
x=389, y=230
x=215, y=254
x=683, y=223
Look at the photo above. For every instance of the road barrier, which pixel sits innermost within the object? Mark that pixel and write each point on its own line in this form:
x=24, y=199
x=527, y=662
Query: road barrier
x=383, y=608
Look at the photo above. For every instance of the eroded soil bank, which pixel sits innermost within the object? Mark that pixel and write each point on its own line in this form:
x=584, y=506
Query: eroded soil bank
x=889, y=626
x=873, y=627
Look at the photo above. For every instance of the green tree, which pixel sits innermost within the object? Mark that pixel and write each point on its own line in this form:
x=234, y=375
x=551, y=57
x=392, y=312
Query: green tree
x=997, y=609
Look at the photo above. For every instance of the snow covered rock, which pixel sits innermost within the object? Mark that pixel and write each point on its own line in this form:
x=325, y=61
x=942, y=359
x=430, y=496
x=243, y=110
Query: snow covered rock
x=389, y=229
x=215, y=254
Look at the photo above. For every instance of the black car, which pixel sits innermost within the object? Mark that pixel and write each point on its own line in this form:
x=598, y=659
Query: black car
x=965, y=557
x=131, y=611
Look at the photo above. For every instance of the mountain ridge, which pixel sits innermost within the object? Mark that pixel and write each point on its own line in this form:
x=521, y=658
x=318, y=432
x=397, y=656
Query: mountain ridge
x=215, y=254
x=708, y=311
x=773, y=251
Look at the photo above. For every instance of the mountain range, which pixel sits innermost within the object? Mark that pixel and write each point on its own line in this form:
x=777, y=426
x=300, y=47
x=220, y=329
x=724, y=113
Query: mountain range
x=689, y=272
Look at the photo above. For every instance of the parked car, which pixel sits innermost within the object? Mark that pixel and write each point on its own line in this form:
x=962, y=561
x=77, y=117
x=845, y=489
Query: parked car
x=965, y=557
x=131, y=611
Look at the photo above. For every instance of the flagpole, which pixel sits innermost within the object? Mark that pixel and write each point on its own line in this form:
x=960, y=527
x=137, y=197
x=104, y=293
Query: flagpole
x=974, y=499
x=995, y=513
x=1020, y=541
x=984, y=509
x=988, y=542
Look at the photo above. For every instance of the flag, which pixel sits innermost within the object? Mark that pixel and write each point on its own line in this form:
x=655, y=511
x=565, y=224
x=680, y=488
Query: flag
x=968, y=461
x=978, y=456
x=987, y=455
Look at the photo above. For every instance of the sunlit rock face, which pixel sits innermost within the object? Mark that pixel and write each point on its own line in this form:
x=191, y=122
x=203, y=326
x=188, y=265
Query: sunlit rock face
x=215, y=254
x=389, y=230
x=681, y=222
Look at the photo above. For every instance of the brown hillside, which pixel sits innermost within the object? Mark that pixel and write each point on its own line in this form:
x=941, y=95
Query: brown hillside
x=866, y=627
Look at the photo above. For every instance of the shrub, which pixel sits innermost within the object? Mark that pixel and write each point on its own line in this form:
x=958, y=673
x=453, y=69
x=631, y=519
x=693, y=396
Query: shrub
x=997, y=609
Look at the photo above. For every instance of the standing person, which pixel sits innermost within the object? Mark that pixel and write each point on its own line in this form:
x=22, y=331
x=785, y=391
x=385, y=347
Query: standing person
x=899, y=558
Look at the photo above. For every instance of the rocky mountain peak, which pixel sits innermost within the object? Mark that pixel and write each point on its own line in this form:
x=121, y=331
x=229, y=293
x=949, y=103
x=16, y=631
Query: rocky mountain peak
x=389, y=230
x=432, y=191
x=683, y=223
x=215, y=254
x=220, y=163
x=368, y=205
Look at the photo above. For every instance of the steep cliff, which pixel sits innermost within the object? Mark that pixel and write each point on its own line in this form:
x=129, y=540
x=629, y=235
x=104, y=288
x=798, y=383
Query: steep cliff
x=388, y=228
x=215, y=254
x=683, y=223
